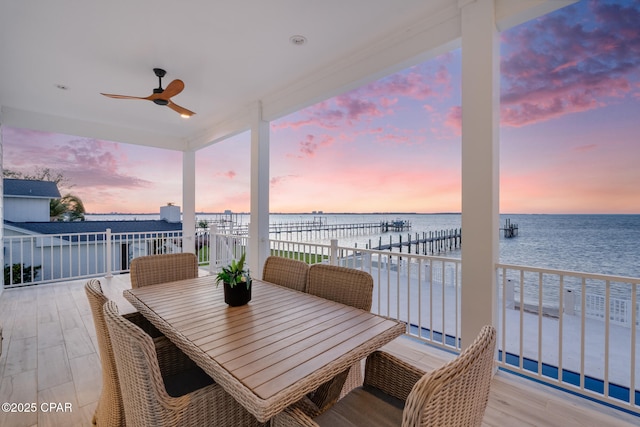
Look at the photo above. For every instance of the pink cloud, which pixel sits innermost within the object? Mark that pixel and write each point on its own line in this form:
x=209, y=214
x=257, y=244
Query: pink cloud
x=310, y=145
x=373, y=100
x=559, y=65
x=357, y=108
x=453, y=120
x=400, y=136
x=394, y=138
x=228, y=174
x=417, y=83
x=587, y=147
x=388, y=102
x=277, y=180
x=86, y=162
x=322, y=115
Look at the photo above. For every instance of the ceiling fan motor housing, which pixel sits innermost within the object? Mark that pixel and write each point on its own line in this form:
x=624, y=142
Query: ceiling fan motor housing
x=162, y=96
x=159, y=72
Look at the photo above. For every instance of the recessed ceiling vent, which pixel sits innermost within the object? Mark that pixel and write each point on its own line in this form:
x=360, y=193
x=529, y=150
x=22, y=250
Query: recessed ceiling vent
x=298, y=40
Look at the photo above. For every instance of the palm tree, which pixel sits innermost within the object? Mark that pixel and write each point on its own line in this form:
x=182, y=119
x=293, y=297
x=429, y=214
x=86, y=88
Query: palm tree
x=68, y=208
x=57, y=210
x=75, y=207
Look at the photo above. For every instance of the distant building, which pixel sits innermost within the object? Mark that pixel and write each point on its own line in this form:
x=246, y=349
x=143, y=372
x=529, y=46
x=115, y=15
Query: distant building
x=27, y=200
x=77, y=246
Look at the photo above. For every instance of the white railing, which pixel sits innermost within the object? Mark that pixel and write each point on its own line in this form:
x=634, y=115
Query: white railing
x=590, y=346
x=421, y=290
x=620, y=310
x=36, y=259
x=577, y=331
x=223, y=248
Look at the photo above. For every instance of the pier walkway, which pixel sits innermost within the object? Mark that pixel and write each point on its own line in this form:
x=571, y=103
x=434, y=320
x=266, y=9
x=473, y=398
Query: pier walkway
x=431, y=242
x=318, y=226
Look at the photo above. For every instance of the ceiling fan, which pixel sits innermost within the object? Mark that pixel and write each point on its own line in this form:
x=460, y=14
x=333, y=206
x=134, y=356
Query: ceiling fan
x=161, y=96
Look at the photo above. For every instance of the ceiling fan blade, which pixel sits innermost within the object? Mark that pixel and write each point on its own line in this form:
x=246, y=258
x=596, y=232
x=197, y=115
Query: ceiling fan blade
x=181, y=110
x=110, y=95
x=174, y=88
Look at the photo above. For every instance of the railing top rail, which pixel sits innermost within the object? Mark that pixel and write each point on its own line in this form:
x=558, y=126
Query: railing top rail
x=319, y=245
x=121, y=233
x=610, y=278
x=39, y=235
x=400, y=254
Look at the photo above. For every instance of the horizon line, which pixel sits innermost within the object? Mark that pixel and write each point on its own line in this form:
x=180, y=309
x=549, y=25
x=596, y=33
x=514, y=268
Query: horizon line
x=363, y=213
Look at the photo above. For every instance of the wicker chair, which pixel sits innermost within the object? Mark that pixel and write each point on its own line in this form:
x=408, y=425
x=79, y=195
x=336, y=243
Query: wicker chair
x=347, y=286
x=397, y=394
x=109, y=411
x=154, y=269
x=341, y=284
x=190, y=398
x=286, y=272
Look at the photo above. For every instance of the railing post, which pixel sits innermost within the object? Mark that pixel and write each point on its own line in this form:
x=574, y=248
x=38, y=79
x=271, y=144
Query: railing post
x=109, y=253
x=333, y=252
x=569, y=302
x=509, y=294
x=213, y=255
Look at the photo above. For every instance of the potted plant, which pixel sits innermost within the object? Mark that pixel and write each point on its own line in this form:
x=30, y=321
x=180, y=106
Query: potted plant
x=236, y=281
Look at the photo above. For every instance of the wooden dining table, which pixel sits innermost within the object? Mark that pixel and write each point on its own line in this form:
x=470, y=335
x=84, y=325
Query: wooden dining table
x=271, y=352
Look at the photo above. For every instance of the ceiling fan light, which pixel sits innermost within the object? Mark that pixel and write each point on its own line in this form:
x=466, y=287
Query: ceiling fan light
x=185, y=115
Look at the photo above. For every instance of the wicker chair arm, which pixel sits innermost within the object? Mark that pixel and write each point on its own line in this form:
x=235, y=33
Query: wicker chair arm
x=135, y=317
x=391, y=374
x=197, y=400
x=143, y=323
x=171, y=359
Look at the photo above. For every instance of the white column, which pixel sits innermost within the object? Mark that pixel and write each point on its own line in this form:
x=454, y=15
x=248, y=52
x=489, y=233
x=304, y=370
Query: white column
x=480, y=166
x=188, y=201
x=258, y=250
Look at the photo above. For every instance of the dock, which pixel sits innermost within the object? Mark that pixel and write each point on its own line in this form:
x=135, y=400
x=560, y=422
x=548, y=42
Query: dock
x=318, y=228
x=430, y=242
x=321, y=224
x=510, y=229
x=395, y=225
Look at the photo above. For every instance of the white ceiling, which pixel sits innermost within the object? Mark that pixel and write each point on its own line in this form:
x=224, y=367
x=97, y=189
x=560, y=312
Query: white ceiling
x=231, y=54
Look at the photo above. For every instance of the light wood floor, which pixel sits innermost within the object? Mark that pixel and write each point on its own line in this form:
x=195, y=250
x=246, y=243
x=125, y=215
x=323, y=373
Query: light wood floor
x=49, y=355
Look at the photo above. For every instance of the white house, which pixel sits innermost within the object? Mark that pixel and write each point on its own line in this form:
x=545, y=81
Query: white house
x=27, y=200
x=51, y=250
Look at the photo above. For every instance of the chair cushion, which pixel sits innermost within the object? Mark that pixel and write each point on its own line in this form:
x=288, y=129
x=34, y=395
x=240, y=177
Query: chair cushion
x=186, y=382
x=364, y=406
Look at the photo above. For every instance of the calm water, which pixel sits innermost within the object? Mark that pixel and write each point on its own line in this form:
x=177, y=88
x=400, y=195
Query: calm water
x=604, y=244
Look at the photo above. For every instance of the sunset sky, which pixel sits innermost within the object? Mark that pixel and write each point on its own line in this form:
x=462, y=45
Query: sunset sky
x=569, y=136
